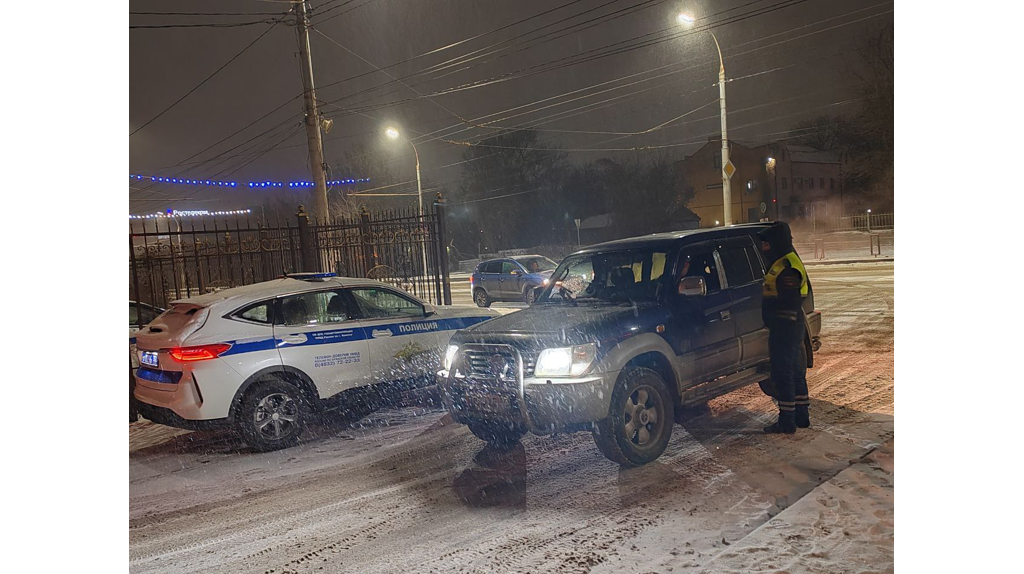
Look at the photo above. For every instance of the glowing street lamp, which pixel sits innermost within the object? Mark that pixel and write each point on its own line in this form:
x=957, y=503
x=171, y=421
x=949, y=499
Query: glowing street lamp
x=686, y=19
x=393, y=134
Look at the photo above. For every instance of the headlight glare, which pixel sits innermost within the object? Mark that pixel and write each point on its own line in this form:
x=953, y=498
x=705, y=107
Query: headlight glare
x=565, y=361
x=449, y=356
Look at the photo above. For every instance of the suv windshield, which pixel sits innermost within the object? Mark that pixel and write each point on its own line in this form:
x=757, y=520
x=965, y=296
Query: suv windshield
x=612, y=276
x=536, y=264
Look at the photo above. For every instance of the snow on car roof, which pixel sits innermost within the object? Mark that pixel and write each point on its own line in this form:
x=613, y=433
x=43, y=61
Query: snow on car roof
x=272, y=288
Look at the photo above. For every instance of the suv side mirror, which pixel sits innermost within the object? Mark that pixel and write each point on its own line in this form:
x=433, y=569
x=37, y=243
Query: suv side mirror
x=692, y=287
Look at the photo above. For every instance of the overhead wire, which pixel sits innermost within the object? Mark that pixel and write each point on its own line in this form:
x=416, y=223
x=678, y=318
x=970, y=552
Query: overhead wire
x=207, y=79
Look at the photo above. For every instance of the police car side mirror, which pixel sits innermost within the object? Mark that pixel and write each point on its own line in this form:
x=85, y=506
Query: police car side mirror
x=692, y=287
x=429, y=311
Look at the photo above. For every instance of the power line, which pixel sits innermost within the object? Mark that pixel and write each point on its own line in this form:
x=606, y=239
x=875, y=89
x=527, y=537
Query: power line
x=204, y=25
x=207, y=13
x=663, y=67
x=208, y=78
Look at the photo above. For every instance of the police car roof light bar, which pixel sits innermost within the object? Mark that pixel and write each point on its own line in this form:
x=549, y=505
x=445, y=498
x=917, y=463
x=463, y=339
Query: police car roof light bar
x=310, y=276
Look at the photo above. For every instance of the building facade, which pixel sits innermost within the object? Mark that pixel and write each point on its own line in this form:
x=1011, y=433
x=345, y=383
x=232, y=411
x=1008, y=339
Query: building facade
x=772, y=181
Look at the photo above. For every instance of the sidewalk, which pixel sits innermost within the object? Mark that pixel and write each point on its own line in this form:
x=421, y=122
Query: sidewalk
x=848, y=260
x=845, y=524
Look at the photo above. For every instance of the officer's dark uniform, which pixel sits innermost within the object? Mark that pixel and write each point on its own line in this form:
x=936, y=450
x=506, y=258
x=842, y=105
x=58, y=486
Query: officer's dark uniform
x=785, y=287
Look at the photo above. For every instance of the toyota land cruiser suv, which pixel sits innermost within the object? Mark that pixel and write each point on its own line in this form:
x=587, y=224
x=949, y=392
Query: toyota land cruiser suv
x=625, y=333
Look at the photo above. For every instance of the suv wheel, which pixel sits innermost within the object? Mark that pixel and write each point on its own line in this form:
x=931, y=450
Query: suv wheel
x=272, y=415
x=639, y=422
x=496, y=433
x=768, y=385
x=481, y=299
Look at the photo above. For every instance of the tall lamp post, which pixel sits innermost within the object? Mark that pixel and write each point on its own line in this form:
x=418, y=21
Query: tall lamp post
x=687, y=20
x=394, y=134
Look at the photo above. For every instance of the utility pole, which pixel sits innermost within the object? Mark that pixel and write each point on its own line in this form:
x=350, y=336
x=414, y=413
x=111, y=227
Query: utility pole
x=313, y=138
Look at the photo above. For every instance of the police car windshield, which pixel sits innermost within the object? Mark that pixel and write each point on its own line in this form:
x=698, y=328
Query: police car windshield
x=612, y=276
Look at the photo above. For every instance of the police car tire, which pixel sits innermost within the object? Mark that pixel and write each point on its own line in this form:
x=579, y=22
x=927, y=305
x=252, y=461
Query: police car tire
x=496, y=433
x=609, y=433
x=481, y=298
x=247, y=426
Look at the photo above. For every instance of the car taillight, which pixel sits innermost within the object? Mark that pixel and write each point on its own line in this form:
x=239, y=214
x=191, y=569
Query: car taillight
x=198, y=353
x=470, y=280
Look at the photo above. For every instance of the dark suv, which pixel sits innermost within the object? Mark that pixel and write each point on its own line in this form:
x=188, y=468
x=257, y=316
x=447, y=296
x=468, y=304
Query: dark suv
x=625, y=333
x=510, y=279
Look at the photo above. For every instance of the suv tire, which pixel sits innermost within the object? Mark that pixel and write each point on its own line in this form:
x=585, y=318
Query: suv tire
x=768, y=385
x=496, y=433
x=272, y=415
x=640, y=396
x=480, y=298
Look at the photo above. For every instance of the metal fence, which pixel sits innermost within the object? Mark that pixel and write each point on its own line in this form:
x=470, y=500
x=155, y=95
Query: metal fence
x=173, y=258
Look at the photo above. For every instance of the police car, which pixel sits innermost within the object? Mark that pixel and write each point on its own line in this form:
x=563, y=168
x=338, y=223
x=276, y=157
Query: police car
x=265, y=357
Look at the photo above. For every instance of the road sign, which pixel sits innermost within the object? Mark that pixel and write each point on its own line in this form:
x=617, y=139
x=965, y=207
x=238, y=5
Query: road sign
x=728, y=169
x=764, y=207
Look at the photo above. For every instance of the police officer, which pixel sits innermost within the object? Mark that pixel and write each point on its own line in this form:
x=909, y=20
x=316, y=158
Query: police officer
x=785, y=288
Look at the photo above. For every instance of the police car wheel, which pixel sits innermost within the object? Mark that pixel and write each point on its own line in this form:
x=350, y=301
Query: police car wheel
x=481, y=299
x=272, y=416
x=496, y=433
x=640, y=418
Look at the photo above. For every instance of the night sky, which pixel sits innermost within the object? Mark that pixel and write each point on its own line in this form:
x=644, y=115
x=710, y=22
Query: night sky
x=787, y=81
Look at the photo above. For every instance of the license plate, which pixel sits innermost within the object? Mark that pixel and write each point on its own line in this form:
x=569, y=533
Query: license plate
x=490, y=404
x=149, y=358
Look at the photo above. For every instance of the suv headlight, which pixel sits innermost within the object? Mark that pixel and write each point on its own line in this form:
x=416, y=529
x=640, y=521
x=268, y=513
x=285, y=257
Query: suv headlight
x=565, y=361
x=449, y=356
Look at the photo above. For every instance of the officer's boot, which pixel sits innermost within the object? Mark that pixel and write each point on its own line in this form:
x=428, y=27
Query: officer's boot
x=802, y=417
x=784, y=425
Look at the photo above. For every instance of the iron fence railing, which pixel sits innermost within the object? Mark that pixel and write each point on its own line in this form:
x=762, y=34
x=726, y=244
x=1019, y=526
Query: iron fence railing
x=173, y=258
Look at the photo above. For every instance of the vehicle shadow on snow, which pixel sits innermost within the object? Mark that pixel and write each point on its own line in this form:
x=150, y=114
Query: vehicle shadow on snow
x=723, y=437
x=331, y=424
x=783, y=467
x=497, y=477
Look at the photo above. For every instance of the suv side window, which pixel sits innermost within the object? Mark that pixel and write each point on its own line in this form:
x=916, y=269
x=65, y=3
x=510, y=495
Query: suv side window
x=507, y=267
x=375, y=303
x=755, y=261
x=315, y=308
x=702, y=264
x=491, y=267
x=737, y=266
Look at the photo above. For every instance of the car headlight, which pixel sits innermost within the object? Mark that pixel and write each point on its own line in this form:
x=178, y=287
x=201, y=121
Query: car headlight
x=565, y=361
x=449, y=356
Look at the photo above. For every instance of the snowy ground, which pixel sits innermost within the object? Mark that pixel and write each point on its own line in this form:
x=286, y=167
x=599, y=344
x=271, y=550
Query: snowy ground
x=404, y=491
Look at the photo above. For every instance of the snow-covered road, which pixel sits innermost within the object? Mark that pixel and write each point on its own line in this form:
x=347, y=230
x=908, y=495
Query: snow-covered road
x=405, y=492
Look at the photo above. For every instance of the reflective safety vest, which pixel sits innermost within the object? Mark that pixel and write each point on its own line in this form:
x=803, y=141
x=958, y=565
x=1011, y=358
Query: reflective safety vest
x=770, y=289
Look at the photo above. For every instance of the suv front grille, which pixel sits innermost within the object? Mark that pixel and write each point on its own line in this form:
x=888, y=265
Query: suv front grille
x=498, y=363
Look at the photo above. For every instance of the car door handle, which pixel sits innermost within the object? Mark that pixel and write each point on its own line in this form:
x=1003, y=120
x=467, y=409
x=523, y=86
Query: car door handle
x=725, y=315
x=294, y=339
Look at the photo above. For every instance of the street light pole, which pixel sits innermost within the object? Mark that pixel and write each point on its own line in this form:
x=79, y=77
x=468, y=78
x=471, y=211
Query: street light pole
x=726, y=180
x=394, y=134
x=314, y=140
x=687, y=19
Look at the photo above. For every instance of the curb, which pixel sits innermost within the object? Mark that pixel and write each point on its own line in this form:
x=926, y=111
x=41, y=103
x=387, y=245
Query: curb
x=845, y=261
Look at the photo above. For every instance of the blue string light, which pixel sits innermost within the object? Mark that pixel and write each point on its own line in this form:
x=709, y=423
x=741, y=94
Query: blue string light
x=252, y=184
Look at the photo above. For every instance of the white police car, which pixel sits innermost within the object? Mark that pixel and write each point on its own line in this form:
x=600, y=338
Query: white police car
x=264, y=357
